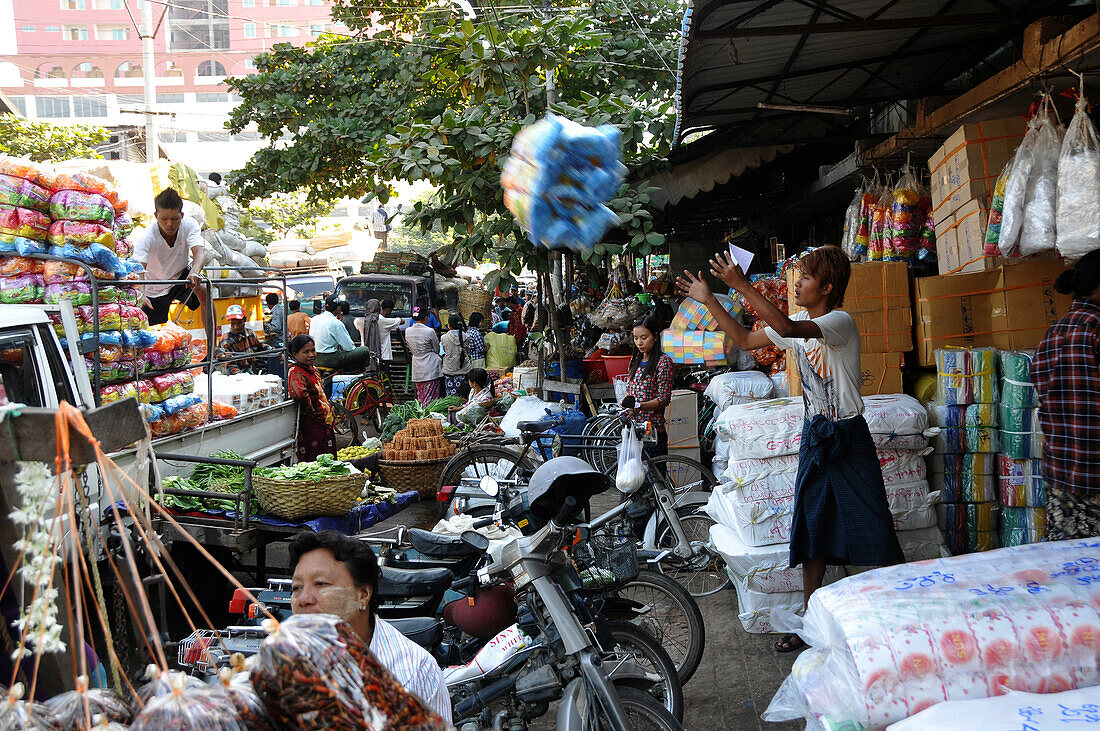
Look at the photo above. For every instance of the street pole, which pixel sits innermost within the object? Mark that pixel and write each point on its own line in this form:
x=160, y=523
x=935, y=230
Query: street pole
x=152, y=145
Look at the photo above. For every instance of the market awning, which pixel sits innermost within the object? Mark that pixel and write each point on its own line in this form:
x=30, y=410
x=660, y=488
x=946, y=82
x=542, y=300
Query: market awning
x=689, y=178
x=768, y=72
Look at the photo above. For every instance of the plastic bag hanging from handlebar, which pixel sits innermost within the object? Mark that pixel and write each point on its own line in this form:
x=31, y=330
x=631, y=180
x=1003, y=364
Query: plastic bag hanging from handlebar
x=631, y=473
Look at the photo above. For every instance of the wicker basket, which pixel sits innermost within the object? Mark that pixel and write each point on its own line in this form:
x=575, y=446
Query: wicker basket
x=294, y=499
x=420, y=475
x=475, y=299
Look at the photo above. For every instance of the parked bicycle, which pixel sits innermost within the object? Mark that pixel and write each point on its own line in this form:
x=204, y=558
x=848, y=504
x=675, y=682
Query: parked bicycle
x=368, y=398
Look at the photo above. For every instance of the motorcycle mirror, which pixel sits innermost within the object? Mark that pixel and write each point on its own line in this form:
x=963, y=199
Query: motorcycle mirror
x=475, y=540
x=489, y=486
x=629, y=402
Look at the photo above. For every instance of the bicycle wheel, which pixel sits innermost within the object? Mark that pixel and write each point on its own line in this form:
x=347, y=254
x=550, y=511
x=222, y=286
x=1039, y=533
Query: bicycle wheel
x=604, y=459
x=478, y=461
x=595, y=427
x=643, y=712
x=671, y=615
x=684, y=474
x=634, y=645
x=702, y=574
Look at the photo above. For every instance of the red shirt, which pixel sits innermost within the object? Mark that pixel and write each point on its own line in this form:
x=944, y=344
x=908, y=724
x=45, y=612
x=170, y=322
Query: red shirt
x=658, y=386
x=1066, y=374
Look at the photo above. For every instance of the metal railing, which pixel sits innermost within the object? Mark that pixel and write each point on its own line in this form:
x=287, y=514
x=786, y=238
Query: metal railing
x=242, y=498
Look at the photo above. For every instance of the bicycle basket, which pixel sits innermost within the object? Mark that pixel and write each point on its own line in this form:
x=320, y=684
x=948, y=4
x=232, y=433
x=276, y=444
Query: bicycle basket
x=606, y=559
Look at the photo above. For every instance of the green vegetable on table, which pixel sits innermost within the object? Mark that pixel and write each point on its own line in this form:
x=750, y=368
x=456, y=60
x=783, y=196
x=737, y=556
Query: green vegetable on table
x=326, y=466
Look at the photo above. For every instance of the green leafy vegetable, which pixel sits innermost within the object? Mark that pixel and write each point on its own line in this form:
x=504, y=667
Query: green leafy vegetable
x=325, y=466
x=440, y=405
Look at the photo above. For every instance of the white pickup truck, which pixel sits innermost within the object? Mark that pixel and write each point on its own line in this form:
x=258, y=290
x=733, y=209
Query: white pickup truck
x=33, y=371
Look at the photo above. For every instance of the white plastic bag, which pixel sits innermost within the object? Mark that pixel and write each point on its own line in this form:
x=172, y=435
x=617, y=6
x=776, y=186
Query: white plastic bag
x=1079, y=187
x=1040, y=207
x=851, y=226
x=527, y=408
x=631, y=472
x=1012, y=220
x=738, y=387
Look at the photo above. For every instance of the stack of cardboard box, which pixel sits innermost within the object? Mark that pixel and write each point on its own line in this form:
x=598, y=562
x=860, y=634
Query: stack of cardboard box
x=964, y=172
x=878, y=300
x=1009, y=308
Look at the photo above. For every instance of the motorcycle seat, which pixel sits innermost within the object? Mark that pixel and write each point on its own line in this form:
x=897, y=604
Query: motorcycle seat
x=438, y=545
x=424, y=631
x=402, y=583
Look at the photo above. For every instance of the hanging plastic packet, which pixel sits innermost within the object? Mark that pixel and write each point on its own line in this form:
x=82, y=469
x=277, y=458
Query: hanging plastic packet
x=75, y=707
x=902, y=239
x=1041, y=204
x=880, y=213
x=313, y=669
x=851, y=226
x=631, y=471
x=867, y=201
x=1079, y=186
x=183, y=707
x=18, y=715
x=996, y=213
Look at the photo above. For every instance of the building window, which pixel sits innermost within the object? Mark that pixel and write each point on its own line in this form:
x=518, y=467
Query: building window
x=214, y=137
x=246, y=136
x=248, y=3
x=314, y=2
x=211, y=68
x=198, y=24
x=89, y=106
x=249, y=30
x=286, y=31
x=28, y=29
x=20, y=104
x=316, y=29
x=131, y=101
x=284, y=3
x=51, y=107
x=112, y=33
x=53, y=29
x=76, y=33
x=249, y=63
x=170, y=98
x=211, y=96
x=72, y=4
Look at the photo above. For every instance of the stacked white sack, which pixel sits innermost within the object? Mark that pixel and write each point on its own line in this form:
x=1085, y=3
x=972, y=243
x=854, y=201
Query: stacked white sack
x=892, y=642
x=729, y=389
x=755, y=499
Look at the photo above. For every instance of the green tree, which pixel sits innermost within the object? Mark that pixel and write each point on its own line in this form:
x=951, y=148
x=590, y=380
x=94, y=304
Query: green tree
x=287, y=213
x=436, y=97
x=42, y=141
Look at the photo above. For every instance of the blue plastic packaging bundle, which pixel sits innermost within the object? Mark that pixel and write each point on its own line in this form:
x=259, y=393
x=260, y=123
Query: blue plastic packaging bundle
x=178, y=403
x=558, y=178
x=97, y=255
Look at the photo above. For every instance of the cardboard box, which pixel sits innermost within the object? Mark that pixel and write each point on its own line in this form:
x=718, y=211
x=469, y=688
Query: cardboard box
x=880, y=373
x=968, y=164
x=1009, y=307
x=682, y=418
x=961, y=245
x=878, y=300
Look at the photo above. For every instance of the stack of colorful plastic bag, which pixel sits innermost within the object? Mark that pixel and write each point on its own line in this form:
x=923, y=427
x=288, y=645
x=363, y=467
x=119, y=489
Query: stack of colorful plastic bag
x=24, y=206
x=21, y=281
x=996, y=213
x=891, y=642
x=557, y=180
x=1020, y=477
x=904, y=235
x=84, y=209
x=753, y=506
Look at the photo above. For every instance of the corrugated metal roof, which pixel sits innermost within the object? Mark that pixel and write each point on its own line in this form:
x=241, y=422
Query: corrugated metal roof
x=840, y=54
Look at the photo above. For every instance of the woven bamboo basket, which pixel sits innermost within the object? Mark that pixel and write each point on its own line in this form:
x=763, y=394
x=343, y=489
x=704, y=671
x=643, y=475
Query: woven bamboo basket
x=294, y=499
x=420, y=475
x=475, y=299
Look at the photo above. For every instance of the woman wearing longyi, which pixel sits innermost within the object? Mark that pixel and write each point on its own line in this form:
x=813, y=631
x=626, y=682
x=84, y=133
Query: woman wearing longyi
x=841, y=515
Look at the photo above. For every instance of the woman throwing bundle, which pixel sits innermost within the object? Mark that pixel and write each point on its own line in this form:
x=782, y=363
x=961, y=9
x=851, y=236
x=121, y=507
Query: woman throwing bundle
x=840, y=511
x=456, y=360
x=316, y=421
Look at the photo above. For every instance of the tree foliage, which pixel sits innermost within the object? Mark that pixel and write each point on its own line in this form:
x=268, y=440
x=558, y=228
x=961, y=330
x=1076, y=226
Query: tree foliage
x=288, y=213
x=42, y=141
x=434, y=96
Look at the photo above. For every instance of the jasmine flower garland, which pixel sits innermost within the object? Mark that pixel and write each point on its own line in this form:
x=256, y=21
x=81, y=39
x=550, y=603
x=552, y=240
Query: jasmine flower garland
x=38, y=621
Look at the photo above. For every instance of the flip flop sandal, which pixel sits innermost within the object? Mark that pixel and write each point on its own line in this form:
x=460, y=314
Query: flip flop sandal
x=789, y=643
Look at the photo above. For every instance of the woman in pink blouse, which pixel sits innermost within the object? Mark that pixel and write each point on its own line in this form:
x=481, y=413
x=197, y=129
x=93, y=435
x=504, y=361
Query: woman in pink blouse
x=651, y=374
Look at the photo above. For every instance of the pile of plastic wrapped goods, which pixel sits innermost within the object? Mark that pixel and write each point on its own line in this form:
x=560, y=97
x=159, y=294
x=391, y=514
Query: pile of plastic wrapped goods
x=731, y=389
x=890, y=643
x=1016, y=710
x=694, y=337
x=965, y=466
x=242, y=392
x=754, y=502
x=987, y=462
x=1019, y=465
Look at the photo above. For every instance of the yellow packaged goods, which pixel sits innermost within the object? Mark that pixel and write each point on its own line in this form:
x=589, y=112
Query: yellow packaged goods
x=960, y=240
x=1009, y=308
x=878, y=300
x=966, y=167
x=880, y=373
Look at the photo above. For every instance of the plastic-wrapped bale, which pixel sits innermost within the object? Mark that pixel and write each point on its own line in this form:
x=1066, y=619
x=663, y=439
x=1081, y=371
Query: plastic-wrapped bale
x=965, y=487
x=1017, y=390
x=739, y=387
x=1049, y=711
x=1020, y=482
x=896, y=421
x=981, y=428
x=950, y=420
x=985, y=385
x=977, y=464
x=1025, y=442
x=754, y=608
x=1021, y=525
x=18, y=715
x=313, y=671
x=955, y=386
x=762, y=429
x=74, y=709
x=763, y=569
x=891, y=642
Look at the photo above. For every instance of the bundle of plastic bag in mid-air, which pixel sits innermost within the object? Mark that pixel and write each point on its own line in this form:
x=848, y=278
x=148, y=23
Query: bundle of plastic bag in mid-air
x=889, y=643
x=558, y=178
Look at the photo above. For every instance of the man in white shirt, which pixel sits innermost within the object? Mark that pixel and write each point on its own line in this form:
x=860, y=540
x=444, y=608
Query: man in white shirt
x=335, y=349
x=386, y=326
x=172, y=248
x=336, y=574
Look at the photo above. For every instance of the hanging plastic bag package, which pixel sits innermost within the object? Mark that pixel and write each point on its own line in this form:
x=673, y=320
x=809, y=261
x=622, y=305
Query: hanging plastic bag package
x=72, y=707
x=313, y=670
x=631, y=472
x=1040, y=206
x=851, y=226
x=867, y=201
x=1079, y=187
x=1012, y=221
x=996, y=213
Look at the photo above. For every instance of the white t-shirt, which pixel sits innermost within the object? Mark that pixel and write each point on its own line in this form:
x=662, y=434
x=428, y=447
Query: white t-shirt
x=162, y=261
x=829, y=367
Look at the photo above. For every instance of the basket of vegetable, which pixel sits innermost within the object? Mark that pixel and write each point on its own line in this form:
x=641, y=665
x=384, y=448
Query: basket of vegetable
x=325, y=487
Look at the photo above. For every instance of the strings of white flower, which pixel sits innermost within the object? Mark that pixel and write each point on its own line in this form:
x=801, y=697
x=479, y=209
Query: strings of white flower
x=37, y=489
